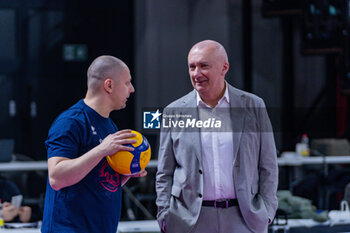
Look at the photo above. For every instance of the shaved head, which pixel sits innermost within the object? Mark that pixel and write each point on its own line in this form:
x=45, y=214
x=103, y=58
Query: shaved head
x=217, y=49
x=104, y=67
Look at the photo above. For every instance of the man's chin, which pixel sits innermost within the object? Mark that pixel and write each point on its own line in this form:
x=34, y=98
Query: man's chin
x=121, y=107
x=200, y=89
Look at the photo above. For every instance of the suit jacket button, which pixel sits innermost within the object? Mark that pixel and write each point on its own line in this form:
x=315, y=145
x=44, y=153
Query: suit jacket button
x=200, y=171
x=200, y=195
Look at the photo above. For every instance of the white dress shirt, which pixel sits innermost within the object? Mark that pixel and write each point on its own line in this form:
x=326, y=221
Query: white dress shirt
x=217, y=151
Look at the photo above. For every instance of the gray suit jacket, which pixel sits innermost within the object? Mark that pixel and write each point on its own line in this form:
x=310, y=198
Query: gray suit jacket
x=179, y=183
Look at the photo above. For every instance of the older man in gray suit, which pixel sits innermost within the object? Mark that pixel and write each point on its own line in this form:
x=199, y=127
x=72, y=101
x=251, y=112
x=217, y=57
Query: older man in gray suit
x=216, y=181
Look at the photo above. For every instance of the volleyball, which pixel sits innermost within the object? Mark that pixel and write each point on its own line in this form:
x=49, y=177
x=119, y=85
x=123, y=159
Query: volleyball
x=131, y=162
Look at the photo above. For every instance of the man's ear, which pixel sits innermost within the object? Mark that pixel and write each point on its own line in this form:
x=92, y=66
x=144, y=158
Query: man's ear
x=108, y=85
x=225, y=68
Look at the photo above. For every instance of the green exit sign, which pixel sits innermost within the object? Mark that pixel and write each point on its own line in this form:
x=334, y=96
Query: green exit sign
x=75, y=52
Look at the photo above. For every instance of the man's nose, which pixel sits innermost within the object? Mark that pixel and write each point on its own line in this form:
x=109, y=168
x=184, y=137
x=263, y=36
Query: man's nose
x=196, y=71
x=132, y=89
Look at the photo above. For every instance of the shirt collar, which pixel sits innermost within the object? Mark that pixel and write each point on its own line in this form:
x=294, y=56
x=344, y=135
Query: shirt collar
x=225, y=97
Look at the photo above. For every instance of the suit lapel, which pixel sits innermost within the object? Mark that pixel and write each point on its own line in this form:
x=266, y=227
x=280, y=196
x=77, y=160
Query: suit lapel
x=194, y=135
x=237, y=116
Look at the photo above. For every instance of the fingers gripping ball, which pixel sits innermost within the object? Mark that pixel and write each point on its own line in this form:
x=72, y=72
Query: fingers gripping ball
x=132, y=162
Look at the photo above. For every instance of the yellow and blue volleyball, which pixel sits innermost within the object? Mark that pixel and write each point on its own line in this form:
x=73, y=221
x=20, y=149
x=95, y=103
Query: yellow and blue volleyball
x=131, y=162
